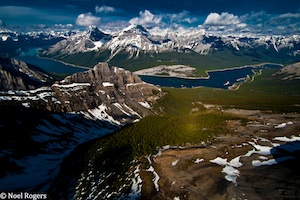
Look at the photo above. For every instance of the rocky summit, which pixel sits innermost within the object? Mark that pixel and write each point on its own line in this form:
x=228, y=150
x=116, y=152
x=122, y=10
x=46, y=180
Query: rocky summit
x=115, y=87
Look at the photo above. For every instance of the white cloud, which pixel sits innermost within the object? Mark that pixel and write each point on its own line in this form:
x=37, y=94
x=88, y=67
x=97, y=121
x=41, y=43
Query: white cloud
x=40, y=26
x=214, y=19
x=33, y=15
x=104, y=9
x=87, y=19
x=225, y=23
x=183, y=17
x=146, y=18
x=285, y=19
x=241, y=25
x=289, y=15
x=265, y=23
x=63, y=26
x=18, y=11
x=255, y=17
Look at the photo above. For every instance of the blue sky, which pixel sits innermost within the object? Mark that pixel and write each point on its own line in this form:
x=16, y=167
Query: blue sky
x=262, y=16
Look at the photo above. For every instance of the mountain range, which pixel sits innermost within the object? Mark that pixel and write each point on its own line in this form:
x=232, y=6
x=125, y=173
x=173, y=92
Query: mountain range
x=135, y=40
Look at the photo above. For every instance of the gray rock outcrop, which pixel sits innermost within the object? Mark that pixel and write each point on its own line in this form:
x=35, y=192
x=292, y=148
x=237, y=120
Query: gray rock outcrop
x=18, y=75
x=290, y=72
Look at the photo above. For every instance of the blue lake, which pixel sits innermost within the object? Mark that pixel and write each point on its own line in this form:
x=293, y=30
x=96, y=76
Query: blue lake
x=48, y=65
x=217, y=79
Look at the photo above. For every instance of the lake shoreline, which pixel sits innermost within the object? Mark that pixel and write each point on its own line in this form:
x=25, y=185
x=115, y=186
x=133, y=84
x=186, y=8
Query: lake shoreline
x=213, y=70
x=230, y=78
x=65, y=63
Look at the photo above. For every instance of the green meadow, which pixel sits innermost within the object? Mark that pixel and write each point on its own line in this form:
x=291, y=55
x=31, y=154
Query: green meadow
x=265, y=93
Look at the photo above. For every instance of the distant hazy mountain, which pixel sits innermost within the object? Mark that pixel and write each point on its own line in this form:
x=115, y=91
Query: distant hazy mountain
x=13, y=43
x=40, y=127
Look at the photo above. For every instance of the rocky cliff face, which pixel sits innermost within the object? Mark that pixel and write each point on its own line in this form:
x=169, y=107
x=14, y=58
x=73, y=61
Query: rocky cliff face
x=123, y=92
x=18, y=75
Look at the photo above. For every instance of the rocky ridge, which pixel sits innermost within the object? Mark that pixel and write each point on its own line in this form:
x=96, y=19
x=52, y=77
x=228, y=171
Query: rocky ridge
x=18, y=75
x=123, y=92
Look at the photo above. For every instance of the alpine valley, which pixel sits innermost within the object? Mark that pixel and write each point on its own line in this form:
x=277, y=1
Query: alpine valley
x=104, y=133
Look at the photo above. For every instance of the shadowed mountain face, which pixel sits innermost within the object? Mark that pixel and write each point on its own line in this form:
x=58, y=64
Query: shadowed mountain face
x=47, y=123
x=35, y=142
x=95, y=34
x=18, y=75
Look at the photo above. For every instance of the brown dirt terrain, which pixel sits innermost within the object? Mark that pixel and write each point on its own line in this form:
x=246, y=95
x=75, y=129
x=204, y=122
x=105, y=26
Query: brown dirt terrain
x=182, y=178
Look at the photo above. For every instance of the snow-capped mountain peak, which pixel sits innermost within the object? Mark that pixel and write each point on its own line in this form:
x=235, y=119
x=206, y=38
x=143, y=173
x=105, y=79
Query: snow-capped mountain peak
x=90, y=40
x=136, y=29
x=94, y=34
